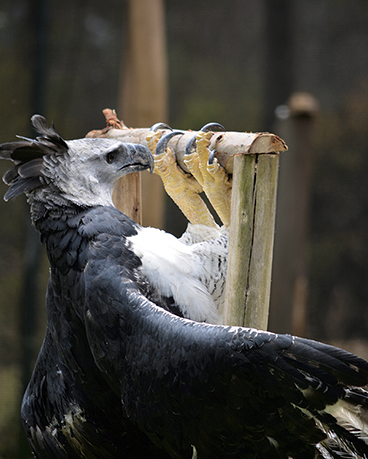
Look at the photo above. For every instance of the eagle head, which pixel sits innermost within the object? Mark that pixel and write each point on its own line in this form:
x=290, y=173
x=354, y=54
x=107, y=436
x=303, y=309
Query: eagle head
x=82, y=171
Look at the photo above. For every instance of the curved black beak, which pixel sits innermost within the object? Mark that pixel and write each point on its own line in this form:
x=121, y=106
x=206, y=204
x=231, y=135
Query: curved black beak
x=140, y=158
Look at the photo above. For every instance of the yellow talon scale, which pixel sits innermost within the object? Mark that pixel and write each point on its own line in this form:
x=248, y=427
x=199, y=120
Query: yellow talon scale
x=183, y=188
x=212, y=177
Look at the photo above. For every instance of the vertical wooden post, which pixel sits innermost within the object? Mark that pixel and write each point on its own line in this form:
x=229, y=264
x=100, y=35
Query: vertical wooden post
x=127, y=196
x=143, y=101
x=253, y=206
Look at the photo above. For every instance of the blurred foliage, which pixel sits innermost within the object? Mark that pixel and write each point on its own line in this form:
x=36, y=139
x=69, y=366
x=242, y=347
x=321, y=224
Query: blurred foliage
x=217, y=72
x=339, y=224
x=215, y=65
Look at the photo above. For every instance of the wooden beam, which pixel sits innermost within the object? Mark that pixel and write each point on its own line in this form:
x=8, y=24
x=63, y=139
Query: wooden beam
x=228, y=144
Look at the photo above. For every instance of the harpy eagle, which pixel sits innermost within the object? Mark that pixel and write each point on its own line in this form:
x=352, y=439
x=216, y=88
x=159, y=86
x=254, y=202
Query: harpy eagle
x=132, y=364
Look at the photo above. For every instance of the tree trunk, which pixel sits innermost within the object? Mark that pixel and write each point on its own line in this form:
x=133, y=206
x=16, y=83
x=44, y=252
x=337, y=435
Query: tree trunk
x=143, y=101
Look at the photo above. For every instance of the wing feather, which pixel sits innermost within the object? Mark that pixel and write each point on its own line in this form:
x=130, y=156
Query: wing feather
x=178, y=377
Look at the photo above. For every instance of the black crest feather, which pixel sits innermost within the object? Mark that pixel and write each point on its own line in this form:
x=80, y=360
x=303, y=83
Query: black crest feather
x=27, y=154
x=49, y=137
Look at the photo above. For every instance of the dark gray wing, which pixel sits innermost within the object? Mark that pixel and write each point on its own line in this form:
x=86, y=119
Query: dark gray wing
x=230, y=392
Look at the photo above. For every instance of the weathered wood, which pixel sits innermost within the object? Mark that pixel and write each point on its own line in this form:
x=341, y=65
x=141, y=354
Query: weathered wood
x=127, y=196
x=253, y=207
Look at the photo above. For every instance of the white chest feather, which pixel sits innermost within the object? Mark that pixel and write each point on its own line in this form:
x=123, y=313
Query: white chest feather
x=188, y=273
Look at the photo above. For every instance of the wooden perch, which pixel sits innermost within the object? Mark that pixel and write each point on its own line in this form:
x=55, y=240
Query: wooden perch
x=253, y=206
x=227, y=144
x=252, y=159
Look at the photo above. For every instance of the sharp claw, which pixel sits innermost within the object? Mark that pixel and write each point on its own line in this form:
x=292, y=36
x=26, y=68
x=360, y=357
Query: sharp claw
x=212, y=156
x=208, y=127
x=162, y=143
x=160, y=126
x=191, y=146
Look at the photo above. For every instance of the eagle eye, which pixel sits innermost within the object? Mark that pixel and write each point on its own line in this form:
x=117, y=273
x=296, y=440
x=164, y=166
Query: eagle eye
x=110, y=157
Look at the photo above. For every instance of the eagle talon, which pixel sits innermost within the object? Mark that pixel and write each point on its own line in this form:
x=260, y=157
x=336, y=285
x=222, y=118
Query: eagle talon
x=208, y=127
x=162, y=143
x=180, y=186
x=204, y=167
x=191, y=146
x=157, y=126
x=212, y=157
x=206, y=174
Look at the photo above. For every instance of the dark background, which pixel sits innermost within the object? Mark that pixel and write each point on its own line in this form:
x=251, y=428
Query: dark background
x=228, y=61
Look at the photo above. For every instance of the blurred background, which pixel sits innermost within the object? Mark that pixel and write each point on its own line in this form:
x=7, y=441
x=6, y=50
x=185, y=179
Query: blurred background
x=296, y=68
